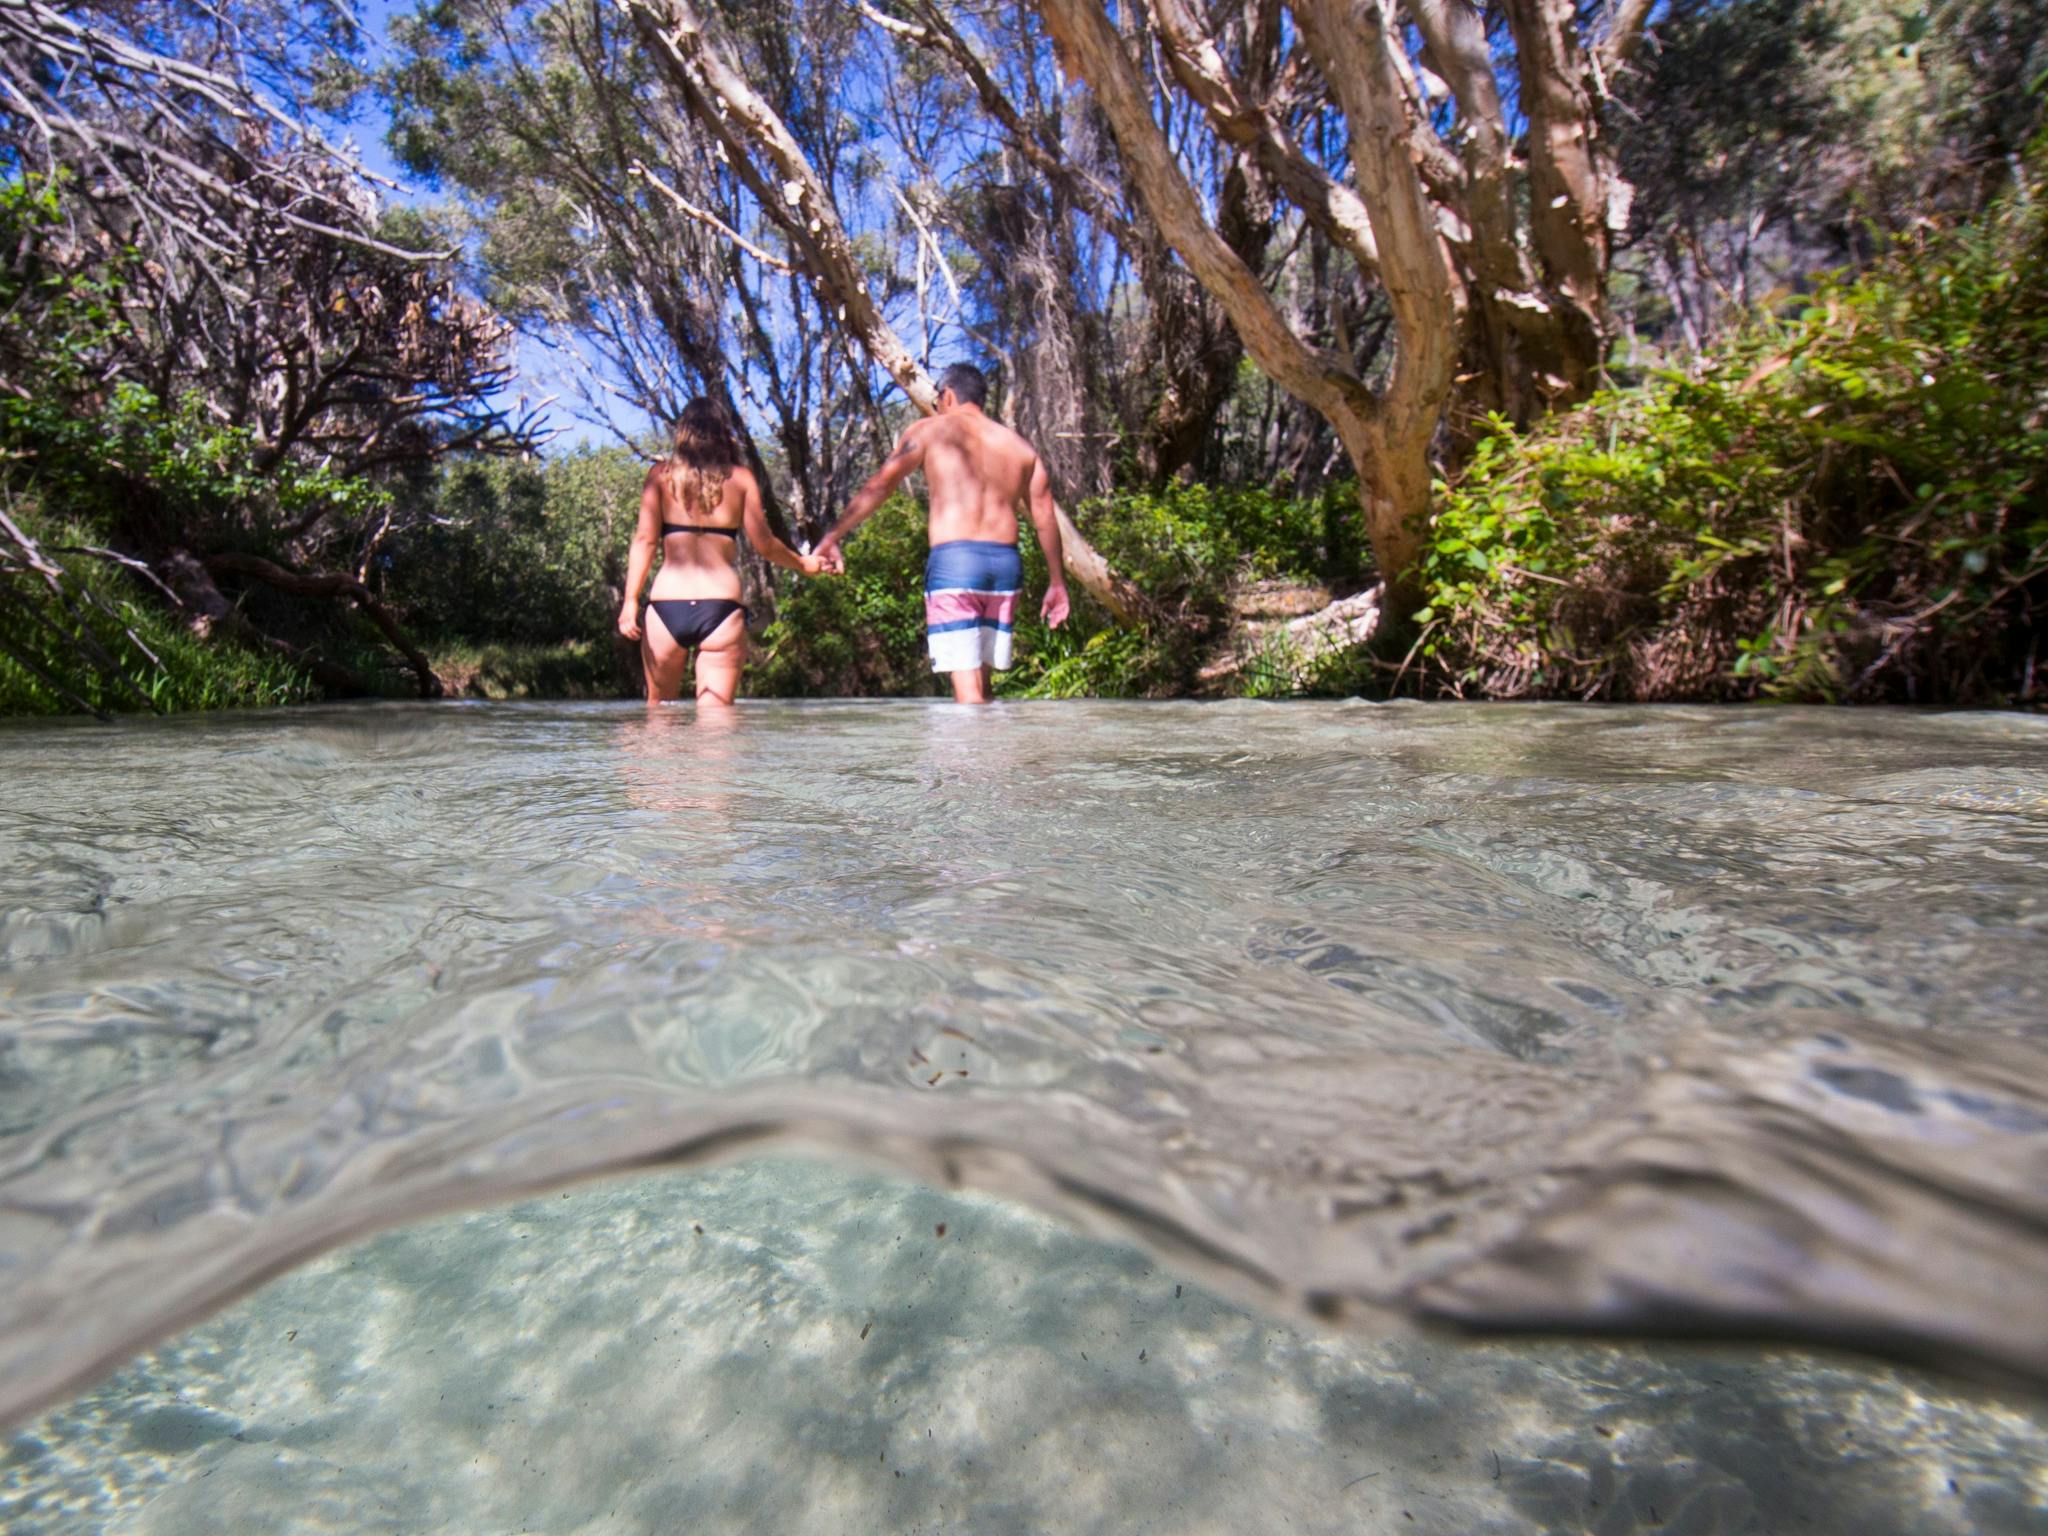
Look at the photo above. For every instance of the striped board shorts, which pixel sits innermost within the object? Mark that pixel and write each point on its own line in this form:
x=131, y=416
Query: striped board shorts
x=970, y=603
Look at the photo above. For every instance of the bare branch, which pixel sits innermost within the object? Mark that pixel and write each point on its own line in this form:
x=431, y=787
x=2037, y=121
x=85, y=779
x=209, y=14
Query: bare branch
x=1624, y=33
x=710, y=220
x=940, y=36
x=1197, y=63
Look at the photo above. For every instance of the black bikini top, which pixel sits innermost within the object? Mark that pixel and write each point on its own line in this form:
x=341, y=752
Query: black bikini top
x=669, y=528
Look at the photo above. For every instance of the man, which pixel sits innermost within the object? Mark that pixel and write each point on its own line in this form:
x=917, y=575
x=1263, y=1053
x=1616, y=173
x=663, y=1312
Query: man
x=977, y=471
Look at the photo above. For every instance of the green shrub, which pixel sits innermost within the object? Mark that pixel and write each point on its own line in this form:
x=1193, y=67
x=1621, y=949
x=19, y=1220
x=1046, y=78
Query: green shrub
x=861, y=633
x=497, y=551
x=89, y=462
x=1185, y=546
x=1845, y=502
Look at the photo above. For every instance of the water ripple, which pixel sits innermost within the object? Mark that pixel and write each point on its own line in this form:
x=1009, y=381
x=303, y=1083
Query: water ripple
x=1547, y=1017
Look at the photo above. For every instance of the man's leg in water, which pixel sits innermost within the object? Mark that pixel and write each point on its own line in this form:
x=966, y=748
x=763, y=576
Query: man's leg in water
x=970, y=686
x=970, y=606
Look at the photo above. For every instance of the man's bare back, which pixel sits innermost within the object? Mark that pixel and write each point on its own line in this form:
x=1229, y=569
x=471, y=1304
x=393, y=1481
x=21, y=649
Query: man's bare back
x=978, y=472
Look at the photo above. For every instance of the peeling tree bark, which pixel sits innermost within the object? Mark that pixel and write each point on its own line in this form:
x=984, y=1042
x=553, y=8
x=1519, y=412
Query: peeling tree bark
x=1624, y=33
x=1478, y=254
x=1568, y=185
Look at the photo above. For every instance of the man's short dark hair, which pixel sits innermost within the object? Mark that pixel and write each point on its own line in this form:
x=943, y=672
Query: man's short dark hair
x=966, y=382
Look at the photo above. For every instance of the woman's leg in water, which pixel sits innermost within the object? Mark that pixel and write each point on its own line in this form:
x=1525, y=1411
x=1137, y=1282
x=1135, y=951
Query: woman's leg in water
x=719, y=660
x=661, y=660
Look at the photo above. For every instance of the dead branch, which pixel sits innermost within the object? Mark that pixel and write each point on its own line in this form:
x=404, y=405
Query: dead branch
x=211, y=611
x=710, y=220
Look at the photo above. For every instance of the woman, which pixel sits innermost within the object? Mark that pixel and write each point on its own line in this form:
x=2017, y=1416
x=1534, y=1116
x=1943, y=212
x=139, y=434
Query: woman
x=694, y=505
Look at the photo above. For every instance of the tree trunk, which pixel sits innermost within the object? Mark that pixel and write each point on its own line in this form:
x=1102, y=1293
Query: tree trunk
x=1570, y=186
x=1386, y=435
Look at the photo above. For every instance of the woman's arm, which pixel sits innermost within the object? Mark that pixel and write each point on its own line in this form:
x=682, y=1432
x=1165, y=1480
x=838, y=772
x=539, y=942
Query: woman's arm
x=640, y=558
x=762, y=537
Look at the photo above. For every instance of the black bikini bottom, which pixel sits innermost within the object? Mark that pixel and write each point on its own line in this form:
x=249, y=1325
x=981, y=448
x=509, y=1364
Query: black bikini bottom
x=691, y=620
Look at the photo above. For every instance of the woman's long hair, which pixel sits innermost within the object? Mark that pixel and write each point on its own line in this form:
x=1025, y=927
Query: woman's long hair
x=706, y=450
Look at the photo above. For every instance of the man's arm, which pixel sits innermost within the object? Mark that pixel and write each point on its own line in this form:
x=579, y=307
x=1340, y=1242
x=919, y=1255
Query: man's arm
x=1045, y=522
x=646, y=539
x=909, y=455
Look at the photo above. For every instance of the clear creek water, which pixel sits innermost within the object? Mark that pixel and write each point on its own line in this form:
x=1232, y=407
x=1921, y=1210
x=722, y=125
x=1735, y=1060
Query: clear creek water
x=1547, y=1018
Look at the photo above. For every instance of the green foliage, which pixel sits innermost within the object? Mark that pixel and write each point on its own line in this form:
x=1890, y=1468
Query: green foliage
x=140, y=460
x=1084, y=661
x=861, y=633
x=1185, y=545
x=500, y=552
x=1846, y=502
x=87, y=459
x=1767, y=138
x=110, y=611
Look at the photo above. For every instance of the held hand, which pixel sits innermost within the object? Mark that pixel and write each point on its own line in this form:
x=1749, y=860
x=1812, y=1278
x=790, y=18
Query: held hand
x=818, y=565
x=1054, y=608
x=830, y=557
x=629, y=622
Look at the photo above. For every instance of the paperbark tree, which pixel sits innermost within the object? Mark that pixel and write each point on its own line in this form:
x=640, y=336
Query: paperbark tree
x=1385, y=431
x=1483, y=254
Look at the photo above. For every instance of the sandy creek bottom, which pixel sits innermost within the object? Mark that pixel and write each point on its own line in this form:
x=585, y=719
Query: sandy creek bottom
x=786, y=1345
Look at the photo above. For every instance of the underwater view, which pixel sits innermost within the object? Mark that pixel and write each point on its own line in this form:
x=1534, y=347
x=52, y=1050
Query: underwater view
x=1092, y=1116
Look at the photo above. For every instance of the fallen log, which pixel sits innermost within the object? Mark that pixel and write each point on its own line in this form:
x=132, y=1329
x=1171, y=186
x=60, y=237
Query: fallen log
x=1341, y=626
x=335, y=584
x=1097, y=577
x=209, y=610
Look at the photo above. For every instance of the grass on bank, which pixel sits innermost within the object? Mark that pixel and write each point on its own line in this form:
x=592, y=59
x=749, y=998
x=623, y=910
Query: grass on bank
x=570, y=669
x=42, y=671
